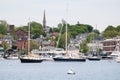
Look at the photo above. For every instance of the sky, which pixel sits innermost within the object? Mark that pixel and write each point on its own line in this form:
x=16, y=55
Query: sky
x=98, y=13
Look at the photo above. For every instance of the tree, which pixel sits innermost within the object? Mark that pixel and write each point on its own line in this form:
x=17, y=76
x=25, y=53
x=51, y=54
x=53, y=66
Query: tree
x=5, y=45
x=74, y=33
x=90, y=28
x=62, y=41
x=79, y=28
x=110, y=27
x=110, y=34
x=118, y=28
x=33, y=45
x=55, y=29
x=84, y=47
x=36, y=29
x=3, y=29
x=91, y=36
x=24, y=28
x=96, y=31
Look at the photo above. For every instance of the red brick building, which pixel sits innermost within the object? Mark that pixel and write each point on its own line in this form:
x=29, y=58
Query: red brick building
x=22, y=39
x=22, y=44
x=21, y=34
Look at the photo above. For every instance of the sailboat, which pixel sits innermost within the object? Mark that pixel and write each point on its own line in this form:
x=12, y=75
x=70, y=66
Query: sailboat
x=116, y=52
x=68, y=56
x=94, y=58
x=94, y=52
x=30, y=57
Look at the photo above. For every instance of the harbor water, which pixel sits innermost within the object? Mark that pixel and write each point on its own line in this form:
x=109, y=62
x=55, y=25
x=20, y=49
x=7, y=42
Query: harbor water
x=89, y=70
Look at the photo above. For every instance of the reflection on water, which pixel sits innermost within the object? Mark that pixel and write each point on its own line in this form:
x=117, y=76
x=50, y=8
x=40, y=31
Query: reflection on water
x=89, y=70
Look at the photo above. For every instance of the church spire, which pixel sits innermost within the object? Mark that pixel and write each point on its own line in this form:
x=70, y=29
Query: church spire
x=44, y=21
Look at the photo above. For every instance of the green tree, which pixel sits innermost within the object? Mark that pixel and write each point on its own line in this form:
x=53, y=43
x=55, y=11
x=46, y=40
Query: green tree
x=56, y=29
x=96, y=31
x=89, y=27
x=3, y=29
x=110, y=34
x=84, y=47
x=118, y=28
x=36, y=29
x=33, y=45
x=62, y=41
x=79, y=28
x=91, y=37
x=5, y=45
x=110, y=27
x=24, y=28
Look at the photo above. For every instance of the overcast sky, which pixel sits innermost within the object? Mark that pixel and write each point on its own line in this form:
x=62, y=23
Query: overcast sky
x=94, y=12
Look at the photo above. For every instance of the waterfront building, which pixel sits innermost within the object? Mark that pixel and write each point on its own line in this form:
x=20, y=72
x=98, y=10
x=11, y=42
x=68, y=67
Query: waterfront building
x=109, y=45
x=95, y=45
x=22, y=39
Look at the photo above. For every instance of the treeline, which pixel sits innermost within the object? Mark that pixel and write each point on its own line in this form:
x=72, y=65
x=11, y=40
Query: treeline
x=73, y=30
x=111, y=31
x=76, y=29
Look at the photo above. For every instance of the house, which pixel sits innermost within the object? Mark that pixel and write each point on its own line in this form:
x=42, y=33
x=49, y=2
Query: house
x=95, y=45
x=109, y=45
x=82, y=37
x=8, y=39
x=48, y=43
x=22, y=39
x=22, y=44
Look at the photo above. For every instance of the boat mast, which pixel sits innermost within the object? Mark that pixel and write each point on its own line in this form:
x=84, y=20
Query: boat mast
x=59, y=36
x=66, y=38
x=29, y=36
x=66, y=27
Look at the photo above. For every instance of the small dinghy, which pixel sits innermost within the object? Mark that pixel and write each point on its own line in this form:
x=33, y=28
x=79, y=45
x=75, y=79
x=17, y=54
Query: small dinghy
x=70, y=72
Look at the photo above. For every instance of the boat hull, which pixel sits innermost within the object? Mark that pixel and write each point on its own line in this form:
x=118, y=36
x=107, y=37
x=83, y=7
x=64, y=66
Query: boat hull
x=30, y=60
x=94, y=59
x=69, y=60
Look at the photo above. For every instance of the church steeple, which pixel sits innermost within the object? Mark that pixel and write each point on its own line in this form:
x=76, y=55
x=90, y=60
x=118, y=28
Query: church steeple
x=44, y=21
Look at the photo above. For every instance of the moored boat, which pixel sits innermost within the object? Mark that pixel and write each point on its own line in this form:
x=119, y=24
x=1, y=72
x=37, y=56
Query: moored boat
x=71, y=72
x=70, y=59
x=30, y=57
x=30, y=60
x=68, y=55
x=94, y=58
